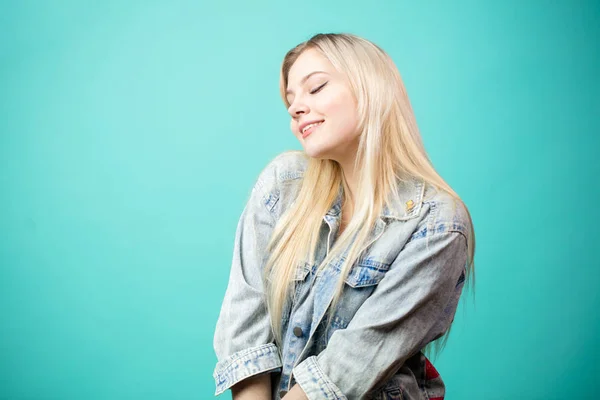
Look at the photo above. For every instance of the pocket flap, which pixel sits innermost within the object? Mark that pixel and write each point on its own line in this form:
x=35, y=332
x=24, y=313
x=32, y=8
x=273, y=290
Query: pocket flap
x=367, y=272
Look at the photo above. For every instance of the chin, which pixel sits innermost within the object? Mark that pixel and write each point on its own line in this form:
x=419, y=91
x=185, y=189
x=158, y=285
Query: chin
x=315, y=147
x=315, y=152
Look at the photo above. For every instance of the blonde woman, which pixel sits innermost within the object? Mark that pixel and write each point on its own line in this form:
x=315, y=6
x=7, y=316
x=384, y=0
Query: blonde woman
x=351, y=255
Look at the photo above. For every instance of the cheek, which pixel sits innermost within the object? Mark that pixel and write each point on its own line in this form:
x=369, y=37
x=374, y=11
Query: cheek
x=341, y=113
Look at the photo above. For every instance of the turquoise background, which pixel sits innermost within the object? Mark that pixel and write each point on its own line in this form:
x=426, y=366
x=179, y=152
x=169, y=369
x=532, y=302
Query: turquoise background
x=131, y=133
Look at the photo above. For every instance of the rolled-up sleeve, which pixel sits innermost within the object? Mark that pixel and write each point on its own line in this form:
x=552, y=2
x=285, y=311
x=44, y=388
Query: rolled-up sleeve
x=412, y=305
x=243, y=340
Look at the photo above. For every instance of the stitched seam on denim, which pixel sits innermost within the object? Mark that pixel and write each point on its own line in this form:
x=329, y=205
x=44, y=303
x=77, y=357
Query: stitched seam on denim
x=462, y=233
x=432, y=226
x=359, y=282
x=441, y=227
x=264, y=350
x=324, y=377
x=261, y=350
x=436, y=235
x=230, y=376
x=375, y=272
x=269, y=200
x=290, y=175
x=224, y=384
x=372, y=263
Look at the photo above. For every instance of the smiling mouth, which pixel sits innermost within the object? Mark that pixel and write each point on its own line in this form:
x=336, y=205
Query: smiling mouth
x=311, y=129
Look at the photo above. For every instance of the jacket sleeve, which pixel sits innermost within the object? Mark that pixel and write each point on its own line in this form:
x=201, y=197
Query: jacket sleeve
x=243, y=339
x=412, y=305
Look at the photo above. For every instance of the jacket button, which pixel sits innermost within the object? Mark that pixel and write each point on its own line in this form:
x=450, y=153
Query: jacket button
x=298, y=331
x=282, y=393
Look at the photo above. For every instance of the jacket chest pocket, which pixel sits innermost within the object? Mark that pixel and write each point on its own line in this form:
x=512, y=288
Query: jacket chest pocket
x=363, y=278
x=367, y=272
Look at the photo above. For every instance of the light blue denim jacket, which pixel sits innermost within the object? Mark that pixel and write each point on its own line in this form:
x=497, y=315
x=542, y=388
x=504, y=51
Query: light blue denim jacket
x=400, y=295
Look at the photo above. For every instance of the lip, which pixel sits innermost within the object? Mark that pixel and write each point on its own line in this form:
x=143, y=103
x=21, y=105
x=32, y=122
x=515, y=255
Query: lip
x=311, y=130
x=302, y=125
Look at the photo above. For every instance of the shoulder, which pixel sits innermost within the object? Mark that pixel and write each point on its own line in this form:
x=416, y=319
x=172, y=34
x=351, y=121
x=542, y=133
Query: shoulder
x=289, y=165
x=441, y=213
x=286, y=166
x=280, y=177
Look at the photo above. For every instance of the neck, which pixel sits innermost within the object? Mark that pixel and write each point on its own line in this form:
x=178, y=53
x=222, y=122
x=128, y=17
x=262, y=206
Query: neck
x=346, y=158
x=349, y=176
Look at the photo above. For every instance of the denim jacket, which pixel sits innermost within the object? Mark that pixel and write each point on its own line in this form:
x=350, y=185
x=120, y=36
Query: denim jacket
x=401, y=294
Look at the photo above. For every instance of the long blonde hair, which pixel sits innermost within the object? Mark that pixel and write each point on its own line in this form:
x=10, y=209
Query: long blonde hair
x=390, y=150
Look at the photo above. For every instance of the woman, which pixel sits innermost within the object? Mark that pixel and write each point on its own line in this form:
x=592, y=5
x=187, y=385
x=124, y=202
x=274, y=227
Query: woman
x=350, y=256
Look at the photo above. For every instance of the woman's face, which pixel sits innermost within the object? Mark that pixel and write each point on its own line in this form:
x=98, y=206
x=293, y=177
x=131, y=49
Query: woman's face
x=318, y=93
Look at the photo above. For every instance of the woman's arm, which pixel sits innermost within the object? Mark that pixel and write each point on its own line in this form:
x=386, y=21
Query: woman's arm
x=413, y=304
x=253, y=388
x=243, y=339
x=296, y=393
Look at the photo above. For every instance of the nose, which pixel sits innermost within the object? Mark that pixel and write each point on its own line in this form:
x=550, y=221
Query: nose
x=297, y=108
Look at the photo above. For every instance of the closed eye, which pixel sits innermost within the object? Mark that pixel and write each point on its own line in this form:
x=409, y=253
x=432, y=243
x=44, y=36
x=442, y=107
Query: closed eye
x=318, y=89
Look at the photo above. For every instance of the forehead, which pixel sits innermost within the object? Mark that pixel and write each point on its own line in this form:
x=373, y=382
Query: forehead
x=309, y=61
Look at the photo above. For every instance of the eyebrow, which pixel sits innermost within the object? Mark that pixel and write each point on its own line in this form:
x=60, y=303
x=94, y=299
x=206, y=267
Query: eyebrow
x=305, y=79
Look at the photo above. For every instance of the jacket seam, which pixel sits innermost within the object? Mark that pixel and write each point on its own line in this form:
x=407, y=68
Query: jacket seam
x=245, y=354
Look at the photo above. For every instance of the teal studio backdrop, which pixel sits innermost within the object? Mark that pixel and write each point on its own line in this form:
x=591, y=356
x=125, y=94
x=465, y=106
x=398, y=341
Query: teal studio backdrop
x=131, y=133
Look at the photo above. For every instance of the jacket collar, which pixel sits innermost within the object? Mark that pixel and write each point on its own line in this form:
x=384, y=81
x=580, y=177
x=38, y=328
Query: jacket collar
x=406, y=204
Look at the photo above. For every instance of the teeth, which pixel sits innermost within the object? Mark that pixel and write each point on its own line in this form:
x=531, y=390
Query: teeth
x=311, y=125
